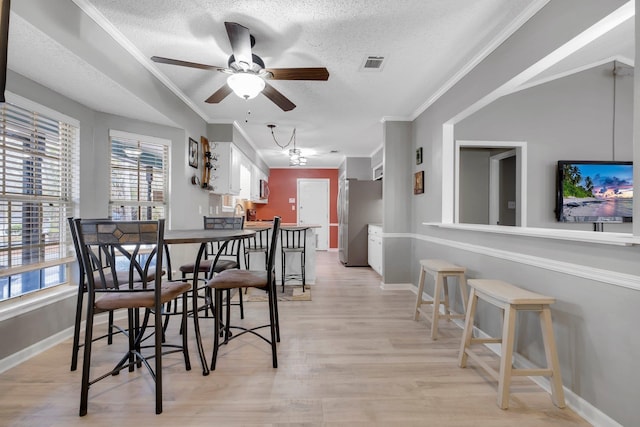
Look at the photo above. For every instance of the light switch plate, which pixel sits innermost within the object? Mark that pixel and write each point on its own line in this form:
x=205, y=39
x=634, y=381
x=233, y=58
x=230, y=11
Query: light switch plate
x=292, y=200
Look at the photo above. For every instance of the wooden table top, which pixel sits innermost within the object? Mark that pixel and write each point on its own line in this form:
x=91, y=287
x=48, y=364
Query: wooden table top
x=203, y=236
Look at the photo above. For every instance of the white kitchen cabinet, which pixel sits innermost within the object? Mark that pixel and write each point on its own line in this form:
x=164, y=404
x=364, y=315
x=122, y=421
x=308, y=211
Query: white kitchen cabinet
x=375, y=248
x=256, y=177
x=225, y=179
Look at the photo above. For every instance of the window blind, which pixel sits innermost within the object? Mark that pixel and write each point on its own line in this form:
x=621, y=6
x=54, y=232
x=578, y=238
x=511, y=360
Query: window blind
x=38, y=171
x=139, y=177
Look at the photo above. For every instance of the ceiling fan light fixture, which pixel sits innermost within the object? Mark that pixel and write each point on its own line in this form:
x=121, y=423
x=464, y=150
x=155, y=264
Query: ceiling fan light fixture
x=246, y=85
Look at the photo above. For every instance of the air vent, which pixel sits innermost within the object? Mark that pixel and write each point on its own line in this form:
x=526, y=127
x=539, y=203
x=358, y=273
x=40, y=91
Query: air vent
x=372, y=63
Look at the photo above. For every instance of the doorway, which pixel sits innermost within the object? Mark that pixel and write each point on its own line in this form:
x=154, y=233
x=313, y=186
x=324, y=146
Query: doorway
x=313, y=208
x=491, y=182
x=502, y=188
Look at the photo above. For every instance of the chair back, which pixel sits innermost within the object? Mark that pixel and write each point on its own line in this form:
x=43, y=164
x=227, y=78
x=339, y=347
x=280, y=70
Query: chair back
x=274, y=243
x=294, y=238
x=223, y=222
x=99, y=262
x=76, y=245
x=130, y=247
x=226, y=255
x=259, y=242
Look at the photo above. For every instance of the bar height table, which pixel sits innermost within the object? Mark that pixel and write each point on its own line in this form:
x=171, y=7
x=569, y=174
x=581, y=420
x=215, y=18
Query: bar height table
x=203, y=237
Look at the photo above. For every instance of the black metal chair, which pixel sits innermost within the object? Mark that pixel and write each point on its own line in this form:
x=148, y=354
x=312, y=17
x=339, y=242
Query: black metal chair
x=294, y=241
x=213, y=223
x=239, y=279
x=258, y=243
x=218, y=257
x=82, y=290
x=132, y=249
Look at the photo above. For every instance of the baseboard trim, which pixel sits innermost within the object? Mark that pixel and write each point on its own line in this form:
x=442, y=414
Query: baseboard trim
x=396, y=286
x=580, y=406
x=33, y=350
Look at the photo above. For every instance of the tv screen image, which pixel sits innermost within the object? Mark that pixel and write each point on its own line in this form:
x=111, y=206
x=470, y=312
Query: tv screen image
x=592, y=191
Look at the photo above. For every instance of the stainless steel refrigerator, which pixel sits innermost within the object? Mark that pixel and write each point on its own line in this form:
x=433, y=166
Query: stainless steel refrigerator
x=359, y=204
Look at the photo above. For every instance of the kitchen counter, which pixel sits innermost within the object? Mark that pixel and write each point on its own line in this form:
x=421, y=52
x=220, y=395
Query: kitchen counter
x=293, y=259
x=252, y=225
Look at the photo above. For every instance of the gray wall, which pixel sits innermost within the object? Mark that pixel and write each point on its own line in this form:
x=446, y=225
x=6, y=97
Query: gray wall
x=566, y=119
x=596, y=286
x=397, y=188
x=474, y=186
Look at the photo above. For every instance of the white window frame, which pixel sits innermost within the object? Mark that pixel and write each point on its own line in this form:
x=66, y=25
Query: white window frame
x=142, y=139
x=60, y=172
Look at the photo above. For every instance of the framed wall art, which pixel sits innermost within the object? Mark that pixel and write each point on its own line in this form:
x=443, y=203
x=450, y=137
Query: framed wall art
x=418, y=183
x=193, y=153
x=419, y=156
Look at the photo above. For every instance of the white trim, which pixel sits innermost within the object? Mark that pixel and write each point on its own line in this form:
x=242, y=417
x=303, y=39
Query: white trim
x=527, y=14
x=533, y=83
x=397, y=286
x=26, y=353
x=327, y=182
x=598, y=29
x=113, y=133
x=625, y=280
x=126, y=44
x=32, y=106
x=605, y=238
x=448, y=174
x=395, y=119
x=583, y=408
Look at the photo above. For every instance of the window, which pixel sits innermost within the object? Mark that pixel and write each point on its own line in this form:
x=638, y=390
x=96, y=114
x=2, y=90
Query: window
x=139, y=176
x=38, y=183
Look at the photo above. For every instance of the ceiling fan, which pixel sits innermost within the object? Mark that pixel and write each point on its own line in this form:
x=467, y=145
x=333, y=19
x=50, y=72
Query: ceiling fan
x=248, y=74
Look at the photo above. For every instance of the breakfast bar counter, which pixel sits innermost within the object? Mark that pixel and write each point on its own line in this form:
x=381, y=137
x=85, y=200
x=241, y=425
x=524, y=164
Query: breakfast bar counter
x=294, y=265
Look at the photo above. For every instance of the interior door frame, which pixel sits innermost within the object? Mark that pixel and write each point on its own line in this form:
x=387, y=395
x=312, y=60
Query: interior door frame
x=326, y=223
x=520, y=148
x=494, y=185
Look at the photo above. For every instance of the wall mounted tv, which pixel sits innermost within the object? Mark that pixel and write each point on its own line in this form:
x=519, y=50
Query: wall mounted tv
x=594, y=191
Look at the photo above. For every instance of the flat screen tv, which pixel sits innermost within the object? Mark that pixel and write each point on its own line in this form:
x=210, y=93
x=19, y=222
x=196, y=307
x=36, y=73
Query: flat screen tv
x=594, y=191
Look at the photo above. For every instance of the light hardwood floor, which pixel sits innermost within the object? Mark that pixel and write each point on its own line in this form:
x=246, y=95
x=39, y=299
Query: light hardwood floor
x=353, y=356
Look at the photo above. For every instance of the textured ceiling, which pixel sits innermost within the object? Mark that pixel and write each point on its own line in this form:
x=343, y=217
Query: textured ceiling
x=424, y=43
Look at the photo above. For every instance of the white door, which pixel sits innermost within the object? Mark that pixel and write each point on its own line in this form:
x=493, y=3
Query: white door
x=313, y=208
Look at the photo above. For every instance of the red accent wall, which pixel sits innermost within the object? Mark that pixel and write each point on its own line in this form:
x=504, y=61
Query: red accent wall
x=283, y=185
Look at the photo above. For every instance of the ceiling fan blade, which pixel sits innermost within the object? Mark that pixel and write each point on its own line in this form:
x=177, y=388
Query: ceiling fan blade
x=219, y=95
x=278, y=98
x=240, y=40
x=170, y=61
x=318, y=73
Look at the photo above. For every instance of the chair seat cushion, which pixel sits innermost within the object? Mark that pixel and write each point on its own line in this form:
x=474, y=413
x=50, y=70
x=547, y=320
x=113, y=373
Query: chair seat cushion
x=224, y=264
x=120, y=299
x=205, y=265
x=233, y=279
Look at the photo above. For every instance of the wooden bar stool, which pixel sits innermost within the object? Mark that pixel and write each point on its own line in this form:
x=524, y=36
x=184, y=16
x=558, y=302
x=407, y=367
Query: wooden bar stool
x=512, y=299
x=441, y=271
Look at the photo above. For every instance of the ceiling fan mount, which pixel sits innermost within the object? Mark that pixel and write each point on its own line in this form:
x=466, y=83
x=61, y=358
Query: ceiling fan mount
x=247, y=71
